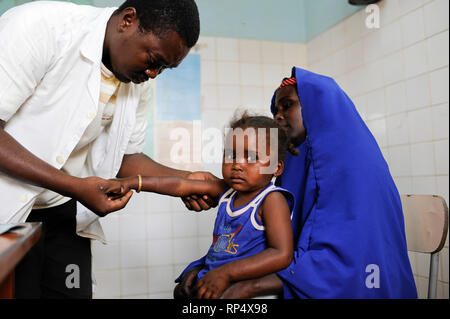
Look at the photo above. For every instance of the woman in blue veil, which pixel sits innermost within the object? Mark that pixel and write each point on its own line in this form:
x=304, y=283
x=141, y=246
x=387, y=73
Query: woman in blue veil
x=348, y=220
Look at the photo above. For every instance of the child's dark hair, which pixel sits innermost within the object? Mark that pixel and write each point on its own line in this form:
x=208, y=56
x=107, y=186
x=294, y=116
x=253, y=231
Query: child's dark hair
x=260, y=121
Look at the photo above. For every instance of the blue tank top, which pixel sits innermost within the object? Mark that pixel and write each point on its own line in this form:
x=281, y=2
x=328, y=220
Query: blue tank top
x=237, y=231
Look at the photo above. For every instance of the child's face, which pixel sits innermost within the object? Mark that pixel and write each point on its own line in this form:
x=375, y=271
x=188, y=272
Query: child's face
x=246, y=167
x=289, y=113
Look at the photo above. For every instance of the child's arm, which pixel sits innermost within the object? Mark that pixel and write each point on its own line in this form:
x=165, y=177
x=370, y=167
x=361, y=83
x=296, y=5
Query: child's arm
x=278, y=255
x=176, y=186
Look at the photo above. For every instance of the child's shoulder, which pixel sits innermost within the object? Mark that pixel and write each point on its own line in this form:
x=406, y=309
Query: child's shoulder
x=276, y=195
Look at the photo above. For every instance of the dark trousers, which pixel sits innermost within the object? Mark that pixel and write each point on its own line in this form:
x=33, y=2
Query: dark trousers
x=60, y=264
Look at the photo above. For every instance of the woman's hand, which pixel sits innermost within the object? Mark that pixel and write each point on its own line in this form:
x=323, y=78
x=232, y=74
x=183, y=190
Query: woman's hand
x=245, y=289
x=199, y=203
x=212, y=284
x=186, y=288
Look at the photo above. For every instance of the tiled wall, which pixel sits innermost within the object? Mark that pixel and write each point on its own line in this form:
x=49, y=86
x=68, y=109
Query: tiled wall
x=398, y=78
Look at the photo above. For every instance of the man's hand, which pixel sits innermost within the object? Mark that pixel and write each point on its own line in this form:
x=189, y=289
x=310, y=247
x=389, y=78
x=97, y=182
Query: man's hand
x=101, y=196
x=198, y=203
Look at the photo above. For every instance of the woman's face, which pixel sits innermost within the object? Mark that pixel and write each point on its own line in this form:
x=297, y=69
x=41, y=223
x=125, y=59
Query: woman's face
x=288, y=113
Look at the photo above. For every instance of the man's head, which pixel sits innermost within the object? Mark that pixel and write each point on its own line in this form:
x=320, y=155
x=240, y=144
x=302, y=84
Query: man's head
x=144, y=37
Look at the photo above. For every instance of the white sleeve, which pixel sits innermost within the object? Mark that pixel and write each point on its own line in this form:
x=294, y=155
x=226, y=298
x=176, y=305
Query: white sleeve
x=25, y=55
x=143, y=113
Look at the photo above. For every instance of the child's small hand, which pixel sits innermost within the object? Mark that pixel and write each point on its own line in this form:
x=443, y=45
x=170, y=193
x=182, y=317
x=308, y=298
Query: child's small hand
x=212, y=284
x=126, y=184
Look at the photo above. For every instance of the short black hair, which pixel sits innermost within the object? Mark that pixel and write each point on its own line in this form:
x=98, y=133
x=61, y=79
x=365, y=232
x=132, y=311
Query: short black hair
x=161, y=16
x=245, y=120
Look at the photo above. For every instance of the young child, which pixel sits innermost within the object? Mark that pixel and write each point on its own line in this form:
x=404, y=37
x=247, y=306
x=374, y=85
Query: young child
x=252, y=233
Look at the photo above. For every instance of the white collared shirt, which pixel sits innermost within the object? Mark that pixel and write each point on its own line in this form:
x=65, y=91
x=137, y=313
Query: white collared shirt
x=50, y=65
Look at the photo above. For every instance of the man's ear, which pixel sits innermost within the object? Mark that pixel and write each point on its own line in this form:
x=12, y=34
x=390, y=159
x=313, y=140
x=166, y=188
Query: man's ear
x=128, y=17
x=280, y=169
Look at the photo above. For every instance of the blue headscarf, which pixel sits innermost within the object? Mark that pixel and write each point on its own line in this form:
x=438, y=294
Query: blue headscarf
x=348, y=220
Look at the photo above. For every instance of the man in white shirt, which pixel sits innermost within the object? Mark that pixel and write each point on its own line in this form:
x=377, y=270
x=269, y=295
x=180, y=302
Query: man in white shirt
x=73, y=107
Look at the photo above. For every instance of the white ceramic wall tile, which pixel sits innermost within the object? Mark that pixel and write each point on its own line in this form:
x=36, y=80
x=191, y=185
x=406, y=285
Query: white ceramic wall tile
x=227, y=49
x=372, y=76
x=353, y=27
x=378, y=129
x=372, y=45
x=250, y=51
x=439, y=86
x=206, y=47
x=441, y=153
x=376, y=105
x=393, y=68
x=422, y=159
x=159, y=226
x=406, y=6
x=205, y=222
x=159, y=203
x=397, y=127
x=136, y=205
x=228, y=73
x=162, y=295
x=294, y=54
x=229, y=97
x=251, y=74
x=404, y=184
x=160, y=252
x=395, y=96
x=420, y=126
x=133, y=281
x=354, y=55
x=133, y=253
x=418, y=92
x=436, y=16
x=184, y=224
x=108, y=284
x=391, y=38
x=442, y=183
x=110, y=225
x=440, y=117
x=132, y=227
x=253, y=98
x=339, y=62
x=443, y=265
x=337, y=40
x=423, y=264
x=209, y=97
x=416, y=60
x=438, y=51
x=272, y=74
x=105, y=257
x=208, y=72
x=185, y=250
x=204, y=243
x=160, y=279
x=422, y=287
x=424, y=185
x=400, y=163
x=271, y=52
x=389, y=11
x=413, y=29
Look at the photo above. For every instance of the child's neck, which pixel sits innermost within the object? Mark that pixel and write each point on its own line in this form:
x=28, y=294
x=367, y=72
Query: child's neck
x=242, y=198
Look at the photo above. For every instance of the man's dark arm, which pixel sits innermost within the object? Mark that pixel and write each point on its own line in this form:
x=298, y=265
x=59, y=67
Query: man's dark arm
x=139, y=163
x=19, y=163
